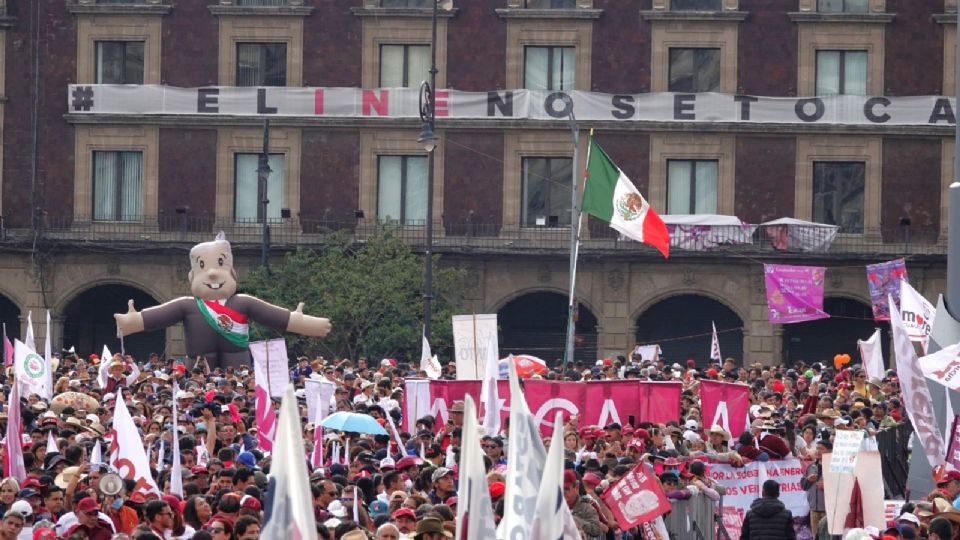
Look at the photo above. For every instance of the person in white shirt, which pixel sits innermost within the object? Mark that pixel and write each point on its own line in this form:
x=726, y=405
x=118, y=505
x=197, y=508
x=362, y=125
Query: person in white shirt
x=365, y=397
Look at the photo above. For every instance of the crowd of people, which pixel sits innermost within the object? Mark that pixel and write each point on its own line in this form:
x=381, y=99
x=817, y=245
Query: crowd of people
x=385, y=492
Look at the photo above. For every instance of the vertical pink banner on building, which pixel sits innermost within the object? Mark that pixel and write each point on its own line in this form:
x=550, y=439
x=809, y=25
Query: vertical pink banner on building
x=884, y=279
x=794, y=293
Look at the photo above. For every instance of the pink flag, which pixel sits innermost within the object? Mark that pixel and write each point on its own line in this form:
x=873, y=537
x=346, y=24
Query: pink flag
x=13, y=450
x=794, y=293
x=726, y=405
x=316, y=457
x=266, y=420
x=7, y=348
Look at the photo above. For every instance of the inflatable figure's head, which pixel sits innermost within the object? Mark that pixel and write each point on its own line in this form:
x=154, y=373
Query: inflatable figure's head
x=212, y=276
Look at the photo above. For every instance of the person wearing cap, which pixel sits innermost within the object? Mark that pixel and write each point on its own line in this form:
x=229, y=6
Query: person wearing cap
x=768, y=518
x=405, y=519
x=584, y=514
x=948, y=487
x=89, y=522
x=431, y=528
x=443, y=485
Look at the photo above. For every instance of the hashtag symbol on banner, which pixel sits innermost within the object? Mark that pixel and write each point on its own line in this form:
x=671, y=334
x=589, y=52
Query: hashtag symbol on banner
x=82, y=98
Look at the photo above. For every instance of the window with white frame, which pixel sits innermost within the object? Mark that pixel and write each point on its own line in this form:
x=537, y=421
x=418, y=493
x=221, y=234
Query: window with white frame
x=403, y=66
x=694, y=69
x=843, y=6
x=546, y=191
x=692, y=186
x=841, y=72
x=261, y=64
x=117, y=185
x=838, y=194
x=246, y=191
x=549, y=68
x=119, y=62
x=402, y=189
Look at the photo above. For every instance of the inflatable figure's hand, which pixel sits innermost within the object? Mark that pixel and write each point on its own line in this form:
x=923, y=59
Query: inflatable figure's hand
x=306, y=325
x=130, y=322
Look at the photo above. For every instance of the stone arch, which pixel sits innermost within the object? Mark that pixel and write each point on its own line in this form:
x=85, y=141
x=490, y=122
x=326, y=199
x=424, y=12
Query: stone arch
x=664, y=295
x=76, y=290
x=820, y=340
x=10, y=313
x=534, y=321
x=87, y=315
x=680, y=322
x=498, y=305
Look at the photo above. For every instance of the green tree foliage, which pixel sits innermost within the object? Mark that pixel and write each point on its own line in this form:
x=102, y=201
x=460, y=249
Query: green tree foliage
x=371, y=291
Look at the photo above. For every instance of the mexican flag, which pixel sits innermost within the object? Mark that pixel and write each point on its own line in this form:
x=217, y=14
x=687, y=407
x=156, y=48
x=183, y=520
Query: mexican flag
x=611, y=196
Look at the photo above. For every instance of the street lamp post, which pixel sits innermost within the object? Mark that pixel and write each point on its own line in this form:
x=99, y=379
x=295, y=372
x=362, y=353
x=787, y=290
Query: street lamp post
x=263, y=174
x=428, y=138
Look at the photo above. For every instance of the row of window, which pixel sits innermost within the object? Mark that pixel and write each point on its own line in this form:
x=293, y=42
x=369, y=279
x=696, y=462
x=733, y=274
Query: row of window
x=829, y=6
x=545, y=68
x=692, y=187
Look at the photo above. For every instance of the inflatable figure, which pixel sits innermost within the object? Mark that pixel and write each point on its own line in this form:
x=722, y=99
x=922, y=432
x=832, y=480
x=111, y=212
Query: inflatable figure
x=215, y=319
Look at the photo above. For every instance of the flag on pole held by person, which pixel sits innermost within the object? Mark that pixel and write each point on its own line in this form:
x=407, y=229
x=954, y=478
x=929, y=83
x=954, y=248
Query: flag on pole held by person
x=52, y=443
x=96, y=455
x=13, y=448
x=30, y=369
x=489, y=395
x=916, y=395
x=550, y=520
x=428, y=362
x=474, y=510
x=176, y=472
x=871, y=352
x=636, y=498
x=104, y=372
x=917, y=314
x=7, y=348
x=126, y=451
x=29, y=341
x=610, y=196
x=289, y=504
x=48, y=361
x=715, y=344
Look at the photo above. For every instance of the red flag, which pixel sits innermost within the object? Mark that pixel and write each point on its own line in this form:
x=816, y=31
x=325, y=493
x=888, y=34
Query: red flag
x=13, y=449
x=726, y=405
x=855, y=517
x=636, y=498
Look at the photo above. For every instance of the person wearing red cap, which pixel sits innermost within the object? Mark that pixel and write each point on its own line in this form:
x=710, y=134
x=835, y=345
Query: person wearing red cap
x=948, y=487
x=89, y=522
x=584, y=514
x=405, y=519
x=497, y=489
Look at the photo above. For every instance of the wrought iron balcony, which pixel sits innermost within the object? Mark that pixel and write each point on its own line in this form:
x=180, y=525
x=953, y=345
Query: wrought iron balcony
x=174, y=231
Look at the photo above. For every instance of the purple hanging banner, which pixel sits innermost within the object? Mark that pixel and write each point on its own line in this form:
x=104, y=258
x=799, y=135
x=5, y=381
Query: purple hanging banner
x=794, y=293
x=883, y=279
x=953, y=448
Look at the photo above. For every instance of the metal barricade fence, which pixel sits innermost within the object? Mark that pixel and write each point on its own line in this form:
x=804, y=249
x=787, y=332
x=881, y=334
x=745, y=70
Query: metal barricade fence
x=696, y=518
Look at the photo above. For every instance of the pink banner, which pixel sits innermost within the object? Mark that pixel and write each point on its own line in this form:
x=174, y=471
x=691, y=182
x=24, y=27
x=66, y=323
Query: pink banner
x=794, y=293
x=726, y=405
x=596, y=403
x=953, y=447
x=266, y=420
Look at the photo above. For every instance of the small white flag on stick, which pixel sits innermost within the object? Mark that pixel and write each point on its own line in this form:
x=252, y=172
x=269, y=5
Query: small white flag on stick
x=176, y=471
x=428, y=362
x=52, y=443
x=96, y=456
x=715, y=345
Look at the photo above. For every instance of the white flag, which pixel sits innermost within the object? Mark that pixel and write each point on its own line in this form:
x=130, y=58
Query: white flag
x=715, y=345
x=943, y=366
x=30, y=369
x=474, y=510
x=203, y=457
x=52, y=443
x=48, y=361
x=29, y=341
x=104, y=371
x=176, y=471
x=161, y=454
x=13, y=447
x=127, y=453
x=318, y=393
x=526, y=458
x=96, y=456
x=547, y=521
x=917, y=314
x=871, y=352
x=289, y=504
x=490, y=395
x=916, y=395
x=429, y=362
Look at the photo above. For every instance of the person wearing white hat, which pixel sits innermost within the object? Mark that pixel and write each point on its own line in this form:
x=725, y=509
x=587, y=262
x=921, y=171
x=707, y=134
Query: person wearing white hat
x=365, y=397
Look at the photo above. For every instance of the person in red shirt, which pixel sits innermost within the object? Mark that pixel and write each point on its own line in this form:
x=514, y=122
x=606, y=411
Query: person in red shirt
x=89, y=522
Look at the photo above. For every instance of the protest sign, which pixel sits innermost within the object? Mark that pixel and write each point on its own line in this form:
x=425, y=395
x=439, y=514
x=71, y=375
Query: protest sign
x=846, y=446
x=743, y=484
x=883, y=280
x=794, y=293
x=636, y=498
x=474, y=341
x=270, y=365
x=953, y=446
x=838, y=487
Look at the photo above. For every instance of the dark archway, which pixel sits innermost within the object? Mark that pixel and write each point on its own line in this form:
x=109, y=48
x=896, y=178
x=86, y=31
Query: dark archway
x=536, y=323
x=89, y=324
x=819, y=341
x=10, y=317
x=681, y=326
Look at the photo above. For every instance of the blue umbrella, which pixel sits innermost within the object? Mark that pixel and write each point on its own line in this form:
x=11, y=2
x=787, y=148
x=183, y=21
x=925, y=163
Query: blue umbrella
x=354, y=423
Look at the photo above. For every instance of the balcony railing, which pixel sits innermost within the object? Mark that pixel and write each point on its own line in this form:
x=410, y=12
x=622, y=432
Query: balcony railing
x=468, y=236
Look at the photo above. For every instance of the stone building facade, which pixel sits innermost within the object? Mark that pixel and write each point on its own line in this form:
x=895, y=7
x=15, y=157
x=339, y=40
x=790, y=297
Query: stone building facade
x=59, y=244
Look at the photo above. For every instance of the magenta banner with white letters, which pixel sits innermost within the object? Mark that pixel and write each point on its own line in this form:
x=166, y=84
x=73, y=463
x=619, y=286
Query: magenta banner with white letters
x=595, y=403
x=794, y=293
x=726, y=405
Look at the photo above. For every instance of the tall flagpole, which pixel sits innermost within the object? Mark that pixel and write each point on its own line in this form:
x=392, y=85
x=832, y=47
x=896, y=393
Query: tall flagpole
x=953, y=210
x=574, y=238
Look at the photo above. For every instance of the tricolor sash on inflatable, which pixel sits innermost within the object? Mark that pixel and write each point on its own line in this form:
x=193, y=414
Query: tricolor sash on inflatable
x=230, y=324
